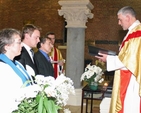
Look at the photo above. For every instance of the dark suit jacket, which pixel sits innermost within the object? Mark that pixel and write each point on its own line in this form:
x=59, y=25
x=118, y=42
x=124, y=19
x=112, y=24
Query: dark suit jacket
x=25, y=59
x=44, y=66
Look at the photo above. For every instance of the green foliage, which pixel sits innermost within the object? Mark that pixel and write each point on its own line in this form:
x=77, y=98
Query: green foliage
x=27, y=106
x=40, y=104
x=90, y=80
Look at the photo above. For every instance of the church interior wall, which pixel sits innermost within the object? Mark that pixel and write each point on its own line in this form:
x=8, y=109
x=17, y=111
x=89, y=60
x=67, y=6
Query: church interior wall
x=102, y=30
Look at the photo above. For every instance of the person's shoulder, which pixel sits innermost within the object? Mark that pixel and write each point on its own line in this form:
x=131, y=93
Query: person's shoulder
x=57, y=49
x=37, y=53
x=2, y=63
x=4, y=66
x=19, y=63
x=22, y=55
x=138, y=27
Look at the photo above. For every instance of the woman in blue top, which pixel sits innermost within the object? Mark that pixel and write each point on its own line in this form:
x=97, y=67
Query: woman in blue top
x=12, y=73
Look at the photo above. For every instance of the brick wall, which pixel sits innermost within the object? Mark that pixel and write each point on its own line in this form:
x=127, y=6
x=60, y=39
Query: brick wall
x=44, y=13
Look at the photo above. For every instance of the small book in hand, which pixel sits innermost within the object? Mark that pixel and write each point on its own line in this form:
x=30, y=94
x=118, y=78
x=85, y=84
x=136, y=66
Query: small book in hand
x=95, y=50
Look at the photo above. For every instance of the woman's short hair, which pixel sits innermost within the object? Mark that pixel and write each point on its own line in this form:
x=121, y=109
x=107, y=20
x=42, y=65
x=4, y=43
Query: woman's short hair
x=7, y=37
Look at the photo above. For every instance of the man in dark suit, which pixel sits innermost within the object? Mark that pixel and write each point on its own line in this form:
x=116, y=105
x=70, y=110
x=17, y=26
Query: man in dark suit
x=42, y=59
x=30, y=38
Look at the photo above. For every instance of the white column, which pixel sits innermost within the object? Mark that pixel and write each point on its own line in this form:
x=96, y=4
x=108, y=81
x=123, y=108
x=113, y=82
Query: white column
x=76, y=14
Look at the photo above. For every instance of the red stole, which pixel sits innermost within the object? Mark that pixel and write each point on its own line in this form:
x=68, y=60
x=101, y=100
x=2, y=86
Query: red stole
x=55, y=64
x=130, y=36
x=125, y=76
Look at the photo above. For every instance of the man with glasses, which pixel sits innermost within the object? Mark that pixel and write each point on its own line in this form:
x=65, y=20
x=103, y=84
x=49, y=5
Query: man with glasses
x=56, y=56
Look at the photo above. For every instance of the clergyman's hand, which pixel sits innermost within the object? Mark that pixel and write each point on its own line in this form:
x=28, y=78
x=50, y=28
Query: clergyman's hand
x=102, y=57
x=61, y=62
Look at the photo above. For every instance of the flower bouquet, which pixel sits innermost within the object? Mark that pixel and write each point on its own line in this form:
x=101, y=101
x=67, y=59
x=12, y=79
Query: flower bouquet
x=93, y=76
x=47, y=96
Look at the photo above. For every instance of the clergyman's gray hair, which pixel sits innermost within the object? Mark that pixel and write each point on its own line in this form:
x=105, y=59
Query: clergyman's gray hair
x=127, y=10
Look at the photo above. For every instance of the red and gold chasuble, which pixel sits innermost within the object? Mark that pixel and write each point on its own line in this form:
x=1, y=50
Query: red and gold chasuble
x=130, y=56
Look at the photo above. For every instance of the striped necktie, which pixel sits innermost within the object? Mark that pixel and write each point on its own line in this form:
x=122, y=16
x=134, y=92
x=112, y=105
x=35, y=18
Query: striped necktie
x=32, y=52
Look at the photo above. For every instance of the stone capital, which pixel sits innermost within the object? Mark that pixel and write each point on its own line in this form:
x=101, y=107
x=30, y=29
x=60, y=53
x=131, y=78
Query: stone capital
x=76, y=12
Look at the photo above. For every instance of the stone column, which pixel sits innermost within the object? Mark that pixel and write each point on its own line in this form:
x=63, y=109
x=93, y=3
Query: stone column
x=76, y=13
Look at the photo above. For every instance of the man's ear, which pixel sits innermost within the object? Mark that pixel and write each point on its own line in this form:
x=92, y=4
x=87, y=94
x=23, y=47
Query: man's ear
x=128, y=17
x=41, y=44
x=27, y=35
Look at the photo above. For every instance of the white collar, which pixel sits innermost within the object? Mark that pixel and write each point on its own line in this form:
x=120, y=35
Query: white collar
x=137, y=22
x=26, y=46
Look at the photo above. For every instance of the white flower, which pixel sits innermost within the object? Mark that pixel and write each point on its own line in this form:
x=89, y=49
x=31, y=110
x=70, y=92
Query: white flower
x=67, y=111
x=28, y=92
x=64, y=86
x=32, y=91
x=48, y=90
x=39, y=79
x=101, y=80
x=92, y=71
x=49, y=80
x=60, y=79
